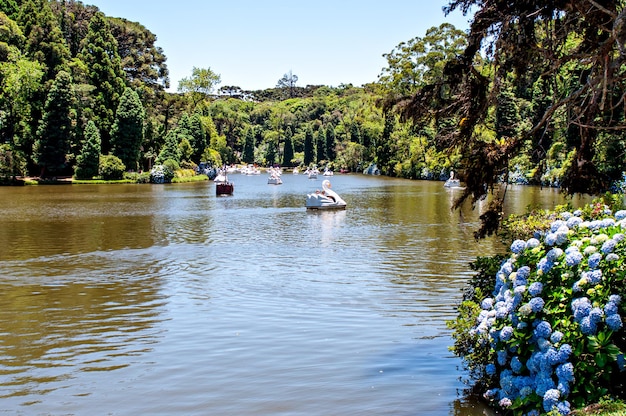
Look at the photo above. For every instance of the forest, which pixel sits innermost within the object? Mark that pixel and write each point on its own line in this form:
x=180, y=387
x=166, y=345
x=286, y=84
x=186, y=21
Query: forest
x=530, y=94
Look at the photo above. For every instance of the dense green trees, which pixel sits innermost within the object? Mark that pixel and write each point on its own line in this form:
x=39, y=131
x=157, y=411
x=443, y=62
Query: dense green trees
x=491, y=117
x=104, y=73
x=560, y=64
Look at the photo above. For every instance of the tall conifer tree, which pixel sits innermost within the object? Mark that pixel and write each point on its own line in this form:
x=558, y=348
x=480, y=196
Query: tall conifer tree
x=88, y=160
x=330, y=142
x=127, y=131
x=288, y=150
x=321, y=145
x=99, y=53
x=309, y=147
x=54, y=133
x=248, y=146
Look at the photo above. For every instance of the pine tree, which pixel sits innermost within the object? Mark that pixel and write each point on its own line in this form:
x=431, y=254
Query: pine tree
x=288, y=150
x=99, y=53
x=321, y=145
x=331, y=154
x=309, y=147
x=271, y=151
x=170, y=148
x=198, y=137
x=88, y=160
x=248, y=146
x=44, y=39
x=127, y=131
x=54, y=133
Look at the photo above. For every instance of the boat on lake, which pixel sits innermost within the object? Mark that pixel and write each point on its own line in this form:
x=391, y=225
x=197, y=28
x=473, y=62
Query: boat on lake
x=452, y=182
x=222, y=185
x=325, y=199
x=274, y=177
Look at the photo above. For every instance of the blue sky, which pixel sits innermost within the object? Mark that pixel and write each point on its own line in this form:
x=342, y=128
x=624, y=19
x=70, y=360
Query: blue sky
x=253, y=43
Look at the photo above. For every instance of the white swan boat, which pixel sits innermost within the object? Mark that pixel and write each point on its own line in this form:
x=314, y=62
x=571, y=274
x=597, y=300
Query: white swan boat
x=274, y=177
x=325, y=199
x=452, y=182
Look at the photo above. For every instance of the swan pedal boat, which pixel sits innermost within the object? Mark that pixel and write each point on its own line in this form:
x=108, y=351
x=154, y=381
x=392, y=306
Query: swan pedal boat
x=326, y=199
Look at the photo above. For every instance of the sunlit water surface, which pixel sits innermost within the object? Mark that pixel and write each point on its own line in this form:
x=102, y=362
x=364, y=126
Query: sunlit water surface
x=168, y=300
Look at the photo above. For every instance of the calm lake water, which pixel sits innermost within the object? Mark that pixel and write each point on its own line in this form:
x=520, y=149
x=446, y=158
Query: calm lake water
x=168, y=300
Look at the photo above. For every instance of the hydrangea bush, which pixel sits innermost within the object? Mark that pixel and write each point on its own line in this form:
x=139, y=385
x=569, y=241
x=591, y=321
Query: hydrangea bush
x=548, y=333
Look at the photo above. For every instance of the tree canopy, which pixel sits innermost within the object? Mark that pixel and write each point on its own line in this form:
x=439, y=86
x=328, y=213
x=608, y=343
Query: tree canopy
x=564, y=63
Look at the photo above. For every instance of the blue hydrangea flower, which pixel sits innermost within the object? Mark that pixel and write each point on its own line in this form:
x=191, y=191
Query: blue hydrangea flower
x=610, y=308
x=556, y=225
x=608, y=246
x=516, y=365
x=608, y=222
x=564, y=352
x=544, y=265
x=532, y=243
x=535, y=288
x=563, y=387
x=536, y=304
x=550, y=239
x=502, y=357
x=614, y=322
x=550, y=399
x=556, y=337
x=523, y=272
x=554, y=254
x=620, y=215
x=544, y=383
x=619, y=237
x=581, y=308
x=543, y=344
x=587, y=326
x=506, y=333
x=573, y=258
x=578, y=212
x=596, y=315
x=543, y=330
x=564, y=407
x=612, y=257
x=506, y=268
x=518, y=246
x=594, y=261
x=595, y=276
x=565, y=372
x=561, y=237
x=573, y=222
x=621, y=362
x=552, y=356
x=490, y=369
x=487, y=303
x=615, y=299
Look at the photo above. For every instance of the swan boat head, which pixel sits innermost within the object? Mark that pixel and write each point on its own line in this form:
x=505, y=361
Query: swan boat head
x=327, y=199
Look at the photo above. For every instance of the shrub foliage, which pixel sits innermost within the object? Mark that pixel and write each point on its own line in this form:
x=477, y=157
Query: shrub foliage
x=541, y=329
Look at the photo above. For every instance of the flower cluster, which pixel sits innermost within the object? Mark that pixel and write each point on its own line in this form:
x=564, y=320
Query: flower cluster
x=553, y=291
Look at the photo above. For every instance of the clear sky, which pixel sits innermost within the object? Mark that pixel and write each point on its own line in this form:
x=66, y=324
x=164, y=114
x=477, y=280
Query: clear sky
x=253, y=43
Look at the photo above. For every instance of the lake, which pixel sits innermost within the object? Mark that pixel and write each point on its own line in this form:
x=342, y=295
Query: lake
x=169, y=300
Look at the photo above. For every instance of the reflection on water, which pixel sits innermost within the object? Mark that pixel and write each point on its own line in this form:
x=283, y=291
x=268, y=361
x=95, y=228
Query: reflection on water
x=162, y=300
